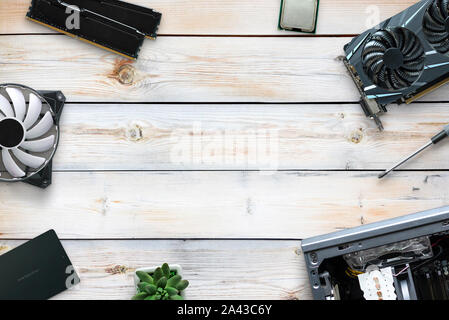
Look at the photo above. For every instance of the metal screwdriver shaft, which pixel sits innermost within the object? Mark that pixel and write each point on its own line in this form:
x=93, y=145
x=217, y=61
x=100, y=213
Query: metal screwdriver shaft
x=405, y=160
x=437, y=138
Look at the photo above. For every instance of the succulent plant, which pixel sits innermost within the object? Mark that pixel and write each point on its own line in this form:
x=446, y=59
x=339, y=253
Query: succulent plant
x=162, y=284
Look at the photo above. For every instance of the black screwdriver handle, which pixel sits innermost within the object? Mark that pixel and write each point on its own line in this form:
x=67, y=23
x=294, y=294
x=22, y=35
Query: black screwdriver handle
x=440, y=136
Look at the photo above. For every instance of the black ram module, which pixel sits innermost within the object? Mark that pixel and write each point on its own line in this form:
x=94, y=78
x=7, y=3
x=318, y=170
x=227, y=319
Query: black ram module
x=114, y=25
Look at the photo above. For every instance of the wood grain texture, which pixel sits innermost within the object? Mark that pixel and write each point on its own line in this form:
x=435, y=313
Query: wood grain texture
x=233, y=269
x=231, y=17
x=186, y=69
x=283, y=205
x=242, y=137
x=182, y=69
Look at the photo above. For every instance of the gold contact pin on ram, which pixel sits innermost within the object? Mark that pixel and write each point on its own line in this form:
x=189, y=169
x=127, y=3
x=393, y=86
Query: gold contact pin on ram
x=82, y=39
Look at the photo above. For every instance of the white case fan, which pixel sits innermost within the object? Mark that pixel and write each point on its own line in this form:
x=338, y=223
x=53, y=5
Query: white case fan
x=29, y=133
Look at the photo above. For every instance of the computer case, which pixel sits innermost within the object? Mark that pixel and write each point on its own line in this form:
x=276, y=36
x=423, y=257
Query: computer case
x=404, y=258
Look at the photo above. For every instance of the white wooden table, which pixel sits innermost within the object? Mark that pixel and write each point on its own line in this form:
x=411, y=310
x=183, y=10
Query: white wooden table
x=157, y=159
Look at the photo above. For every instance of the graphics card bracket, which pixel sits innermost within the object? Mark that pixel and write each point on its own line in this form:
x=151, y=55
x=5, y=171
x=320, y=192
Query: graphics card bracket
x=370, y=107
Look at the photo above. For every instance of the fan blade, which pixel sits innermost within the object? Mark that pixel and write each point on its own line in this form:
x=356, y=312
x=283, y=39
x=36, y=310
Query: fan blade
x=414, y=66
x=387, y=79
x=39, y=145
x=415, y=54
x=402, y=82
x=41, y=128
x=410, y=45
x=394, y=82
x=5, y=107
x=28, y=159
x=436, y=13
x=444, y=7
x=11, y=166
x=386, y=38
x=375, y=67
x=431, y=24
x=381, y=76
x=443, y=47
x=34, y=110
x=18, y=100
x=399, y=38
x=373, y=46
x=437, y=37
x=410, y=74
x=403, y=75
x=371, y=58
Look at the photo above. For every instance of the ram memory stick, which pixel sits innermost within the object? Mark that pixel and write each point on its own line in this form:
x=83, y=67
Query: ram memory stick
x=145, y=20
x=110, y=24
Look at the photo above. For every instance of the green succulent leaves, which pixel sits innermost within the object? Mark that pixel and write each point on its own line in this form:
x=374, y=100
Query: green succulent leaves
x=158, y=274
x=140, y=296
x=144, y=277
x=171, y=291
x=162, y=284
x=151, y=289
x=173, y=281
x=166, y=270
x=182, y=285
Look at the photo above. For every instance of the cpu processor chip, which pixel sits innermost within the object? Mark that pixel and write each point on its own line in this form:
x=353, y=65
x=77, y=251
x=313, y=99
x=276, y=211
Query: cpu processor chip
x=299, y=15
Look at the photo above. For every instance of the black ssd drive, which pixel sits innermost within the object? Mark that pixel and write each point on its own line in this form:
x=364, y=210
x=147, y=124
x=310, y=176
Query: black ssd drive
x=36, y=270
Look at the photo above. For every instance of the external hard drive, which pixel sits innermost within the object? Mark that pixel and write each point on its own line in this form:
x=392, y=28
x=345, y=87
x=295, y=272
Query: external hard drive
x=36, y=270
x=299, y=15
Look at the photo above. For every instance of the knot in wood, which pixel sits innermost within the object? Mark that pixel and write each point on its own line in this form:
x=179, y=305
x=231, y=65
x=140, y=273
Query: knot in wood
x=126, y=74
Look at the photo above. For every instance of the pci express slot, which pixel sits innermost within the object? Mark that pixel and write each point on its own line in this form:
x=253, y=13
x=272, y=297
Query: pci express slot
x=93, y=28
x=145, y=20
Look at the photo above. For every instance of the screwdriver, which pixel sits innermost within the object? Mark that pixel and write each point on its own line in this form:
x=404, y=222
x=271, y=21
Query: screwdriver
x=437, y=138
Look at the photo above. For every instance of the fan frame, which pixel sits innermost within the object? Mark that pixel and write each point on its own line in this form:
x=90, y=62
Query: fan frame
x=55, y=100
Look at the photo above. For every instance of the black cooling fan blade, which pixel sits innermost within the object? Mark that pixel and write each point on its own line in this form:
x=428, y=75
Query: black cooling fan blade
x=436, y=25
x=393, y=58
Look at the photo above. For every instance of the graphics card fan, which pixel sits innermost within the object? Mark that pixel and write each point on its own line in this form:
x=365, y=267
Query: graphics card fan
x=393, y=58
x=436, y=25
x=29, y=133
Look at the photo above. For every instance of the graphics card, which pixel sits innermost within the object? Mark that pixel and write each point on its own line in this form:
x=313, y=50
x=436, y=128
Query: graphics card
x=401, y=59
x=29, y=133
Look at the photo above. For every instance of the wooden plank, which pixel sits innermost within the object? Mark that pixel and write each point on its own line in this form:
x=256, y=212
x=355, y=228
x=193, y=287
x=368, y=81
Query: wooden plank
x=216, y=269
x=182, y=69
x=186, y=69
x=285, y=205
x=242, y=137
x=231, y=17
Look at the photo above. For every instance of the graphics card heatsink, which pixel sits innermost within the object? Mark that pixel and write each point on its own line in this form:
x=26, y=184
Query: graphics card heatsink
x=29, y=133
x=401, y=59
